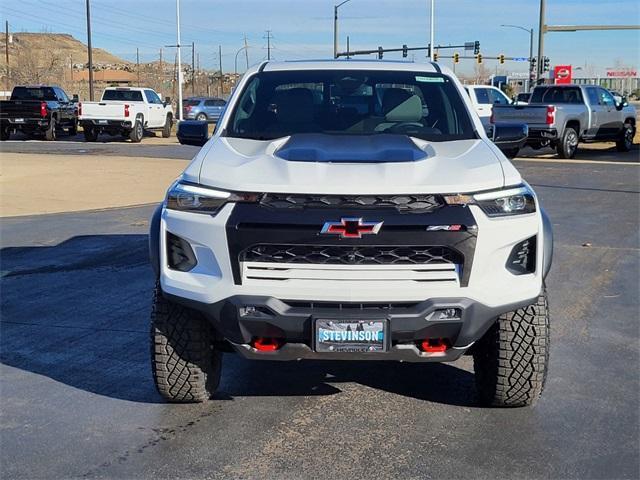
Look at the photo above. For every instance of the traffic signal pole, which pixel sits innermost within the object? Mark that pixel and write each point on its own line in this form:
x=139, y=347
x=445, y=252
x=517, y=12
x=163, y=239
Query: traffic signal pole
x=541, y=28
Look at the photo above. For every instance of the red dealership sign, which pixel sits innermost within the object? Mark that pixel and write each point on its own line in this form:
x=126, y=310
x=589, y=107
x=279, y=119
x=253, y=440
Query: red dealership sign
x=624, y=72
x=562, y=74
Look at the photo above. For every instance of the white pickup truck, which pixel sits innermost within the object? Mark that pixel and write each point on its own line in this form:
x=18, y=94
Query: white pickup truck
x=483, y=98
x=125, y=111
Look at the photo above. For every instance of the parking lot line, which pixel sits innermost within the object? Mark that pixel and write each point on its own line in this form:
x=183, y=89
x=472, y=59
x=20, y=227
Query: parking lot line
x=635, y=163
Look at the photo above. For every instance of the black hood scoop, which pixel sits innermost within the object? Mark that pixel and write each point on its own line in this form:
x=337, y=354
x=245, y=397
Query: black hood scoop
x=318, y=147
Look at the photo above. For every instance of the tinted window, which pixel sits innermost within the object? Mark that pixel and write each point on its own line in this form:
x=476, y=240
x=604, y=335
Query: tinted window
x=606, y=98
x=37, y=93
x=496, y=96
x=211, y=103
x=220, y=103
x=556, y=95
x=356, y=102
x=123, y=95
x=152, y=97
x=592, y=93
x=523, y=97
x=190, y=103
x=482, y=95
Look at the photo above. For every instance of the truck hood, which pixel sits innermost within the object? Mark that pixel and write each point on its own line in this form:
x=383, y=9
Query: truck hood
x=256, y=166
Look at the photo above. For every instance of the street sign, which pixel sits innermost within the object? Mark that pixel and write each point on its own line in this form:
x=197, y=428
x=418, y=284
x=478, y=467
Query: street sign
x=520, y=59
x=469, y=45
x=562, y=74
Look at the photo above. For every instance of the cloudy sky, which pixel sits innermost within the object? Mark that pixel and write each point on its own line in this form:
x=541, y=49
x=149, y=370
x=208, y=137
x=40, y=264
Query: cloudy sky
x=304, y=28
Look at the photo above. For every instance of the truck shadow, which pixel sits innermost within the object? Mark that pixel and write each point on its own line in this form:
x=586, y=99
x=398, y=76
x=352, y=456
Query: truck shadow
x=596, y=152
x=78, y=313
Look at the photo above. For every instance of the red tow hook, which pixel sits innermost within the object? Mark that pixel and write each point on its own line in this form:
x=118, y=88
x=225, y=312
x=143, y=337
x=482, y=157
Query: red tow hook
x=434, y=345
x=263, y=344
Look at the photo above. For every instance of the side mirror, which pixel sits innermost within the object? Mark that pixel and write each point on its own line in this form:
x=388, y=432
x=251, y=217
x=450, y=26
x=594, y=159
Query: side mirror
x=75, y=98
x=193, y=132
x=510, y=136
x=167, y=100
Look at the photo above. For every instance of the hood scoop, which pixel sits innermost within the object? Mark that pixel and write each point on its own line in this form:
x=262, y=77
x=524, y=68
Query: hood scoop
x=318, y=147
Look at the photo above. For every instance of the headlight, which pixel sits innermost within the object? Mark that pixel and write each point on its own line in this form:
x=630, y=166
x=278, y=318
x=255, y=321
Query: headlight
x=499, y=203
x=188, y=197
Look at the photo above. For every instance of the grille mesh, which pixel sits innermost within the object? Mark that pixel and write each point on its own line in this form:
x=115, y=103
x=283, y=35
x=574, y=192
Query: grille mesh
x=402, y=203
x=352, y=255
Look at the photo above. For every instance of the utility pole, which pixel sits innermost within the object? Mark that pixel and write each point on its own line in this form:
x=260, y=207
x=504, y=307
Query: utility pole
x=221, y=77
x=268, y=44
x=179, y=107
x=161, y=73
x=138, y=64
x=539, y=68
x=193, y=68
x=432, y=34
x=246, y=51
x=6, y=50
x=89, y=51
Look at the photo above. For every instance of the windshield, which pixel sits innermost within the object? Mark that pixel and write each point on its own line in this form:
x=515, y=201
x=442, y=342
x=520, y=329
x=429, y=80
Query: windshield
x=556, y=95
x=351, y=102
x=123, y=95
x=36, y=93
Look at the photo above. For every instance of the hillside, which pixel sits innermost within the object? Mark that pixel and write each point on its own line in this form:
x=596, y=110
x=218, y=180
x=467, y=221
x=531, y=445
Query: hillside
x=59, y=45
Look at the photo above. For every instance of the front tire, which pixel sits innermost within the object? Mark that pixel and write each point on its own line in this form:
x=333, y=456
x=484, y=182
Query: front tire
x=201, y=117
x=137, y=132
x=568, y=144
x=50, y=134
x=511, y=360
x=185, y=365
x=166, y=130
x=625, y=142
x=5, y=133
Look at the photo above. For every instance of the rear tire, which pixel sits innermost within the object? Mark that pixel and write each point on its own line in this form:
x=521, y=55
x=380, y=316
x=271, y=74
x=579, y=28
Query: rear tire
x=511, y=360
x=137, y=132
x=90, y=134
x=166, y=130
x=568, y=143
x=625, y=142
x=201, y=117
x=186, y=367
x=5, y=134
x=50, y=134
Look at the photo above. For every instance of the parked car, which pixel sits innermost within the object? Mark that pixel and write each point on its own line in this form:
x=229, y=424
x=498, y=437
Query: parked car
x=561, y=116
x=306, y=229
x=522, y=99
x=38, y=109
x=204, y=109
x=126, y=111
x=483, y=98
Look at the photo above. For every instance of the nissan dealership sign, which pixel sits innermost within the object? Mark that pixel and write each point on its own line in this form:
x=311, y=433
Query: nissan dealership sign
x=622, y=72
x=562, y=74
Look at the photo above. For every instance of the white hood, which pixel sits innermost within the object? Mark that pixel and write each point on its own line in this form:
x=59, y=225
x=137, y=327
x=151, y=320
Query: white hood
x=250, y=165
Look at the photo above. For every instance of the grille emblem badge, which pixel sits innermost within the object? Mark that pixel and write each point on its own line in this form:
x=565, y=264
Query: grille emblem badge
x=351, y=227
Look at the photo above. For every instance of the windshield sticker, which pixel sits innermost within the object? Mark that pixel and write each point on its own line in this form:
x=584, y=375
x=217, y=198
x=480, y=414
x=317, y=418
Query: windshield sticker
x=430, y=79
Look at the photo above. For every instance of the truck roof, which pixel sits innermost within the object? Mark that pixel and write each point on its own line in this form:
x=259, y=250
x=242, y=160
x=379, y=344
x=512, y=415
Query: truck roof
x=353, y=64
x=132, y=89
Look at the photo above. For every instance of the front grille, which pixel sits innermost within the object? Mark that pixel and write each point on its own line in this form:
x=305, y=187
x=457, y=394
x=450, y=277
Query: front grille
x=402, y=203
x=352, y=255
x=394, y=306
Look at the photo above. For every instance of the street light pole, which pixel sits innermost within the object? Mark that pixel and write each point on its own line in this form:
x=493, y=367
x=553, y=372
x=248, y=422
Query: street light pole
x=541, y=32
x=235, y=70
x=335, y=27
x=530, y=32
x=90, y=54
x=432, y=34
x=179, y=60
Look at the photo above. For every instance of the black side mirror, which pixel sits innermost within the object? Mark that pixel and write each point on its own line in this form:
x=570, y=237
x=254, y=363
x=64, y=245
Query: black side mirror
x=510, y=136
x=193, y=132
x=167, y=100
x=75, y=98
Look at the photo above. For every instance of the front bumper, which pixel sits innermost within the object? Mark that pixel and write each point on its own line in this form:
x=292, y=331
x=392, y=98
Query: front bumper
x=293, y=323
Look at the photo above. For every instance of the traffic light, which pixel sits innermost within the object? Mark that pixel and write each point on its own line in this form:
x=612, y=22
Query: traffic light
x=435, y=56
x=476, y=47
x=479, y=58
x=532, y=63
x=501, y=58
x=456, y=57
x=380, y=53
x=546, y=64
x=405, y=51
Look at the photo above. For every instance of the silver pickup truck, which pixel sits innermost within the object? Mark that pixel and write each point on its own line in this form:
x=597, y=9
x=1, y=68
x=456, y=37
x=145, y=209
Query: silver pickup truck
x=560, y=116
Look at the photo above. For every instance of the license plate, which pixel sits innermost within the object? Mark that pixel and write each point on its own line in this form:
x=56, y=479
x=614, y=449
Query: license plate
x=350, y=335
x=18, y=120
x=102, y=122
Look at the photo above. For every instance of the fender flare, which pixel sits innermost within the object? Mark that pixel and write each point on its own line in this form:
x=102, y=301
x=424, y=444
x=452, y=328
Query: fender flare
x=547, y=247
x=154, y=240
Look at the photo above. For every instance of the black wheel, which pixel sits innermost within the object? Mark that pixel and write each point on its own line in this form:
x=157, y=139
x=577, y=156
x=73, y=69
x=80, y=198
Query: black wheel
x=137, y=132
x=73, y=129
x=201, y=117
x=166, y=130
x=568, y=143
x=186, y=367
x=90, y=134
x=511, y=153
x=511, y=360
x=51, y=133
x=5, y=133
x=625, y=142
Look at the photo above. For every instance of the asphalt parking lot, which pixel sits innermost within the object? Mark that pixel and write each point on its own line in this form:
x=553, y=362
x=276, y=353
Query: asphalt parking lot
x=78, y=399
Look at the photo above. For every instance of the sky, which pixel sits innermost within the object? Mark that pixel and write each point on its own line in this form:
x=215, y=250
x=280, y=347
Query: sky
x=303, y=29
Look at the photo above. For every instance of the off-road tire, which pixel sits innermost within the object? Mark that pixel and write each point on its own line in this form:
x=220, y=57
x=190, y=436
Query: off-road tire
x=5, y=133
x=511, y=359
x=90, y=134
x=568, y=144
x=137, y=132
x=50, y=133
x=201, y=117
x=186, y=367
x=166, y=130
x=625, y=142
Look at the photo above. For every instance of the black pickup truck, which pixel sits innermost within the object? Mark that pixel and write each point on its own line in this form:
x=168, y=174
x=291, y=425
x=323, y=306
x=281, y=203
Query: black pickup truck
x=38, y=109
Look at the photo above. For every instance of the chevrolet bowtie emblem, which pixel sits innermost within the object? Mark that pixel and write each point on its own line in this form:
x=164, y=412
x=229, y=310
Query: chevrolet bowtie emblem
x=351, y=228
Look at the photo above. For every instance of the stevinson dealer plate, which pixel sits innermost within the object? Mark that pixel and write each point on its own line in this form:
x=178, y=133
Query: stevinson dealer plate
x=350, y=335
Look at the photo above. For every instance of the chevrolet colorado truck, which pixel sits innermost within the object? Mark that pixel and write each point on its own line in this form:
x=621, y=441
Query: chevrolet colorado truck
x=561, y=116
x=126, y=111
x=351, y=210
x=38, y=109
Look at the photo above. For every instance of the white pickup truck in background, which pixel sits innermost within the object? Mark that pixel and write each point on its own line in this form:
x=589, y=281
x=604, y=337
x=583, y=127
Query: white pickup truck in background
x=483, y=98
x=125, y=111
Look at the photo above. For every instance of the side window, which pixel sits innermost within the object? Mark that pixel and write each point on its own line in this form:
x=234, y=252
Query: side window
x=496, y=96
x=592, y=93
x=606, y=98
x=219, y=103
x=210, y=103
x=152, y=97
x=62, y=97
x=482, y=95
